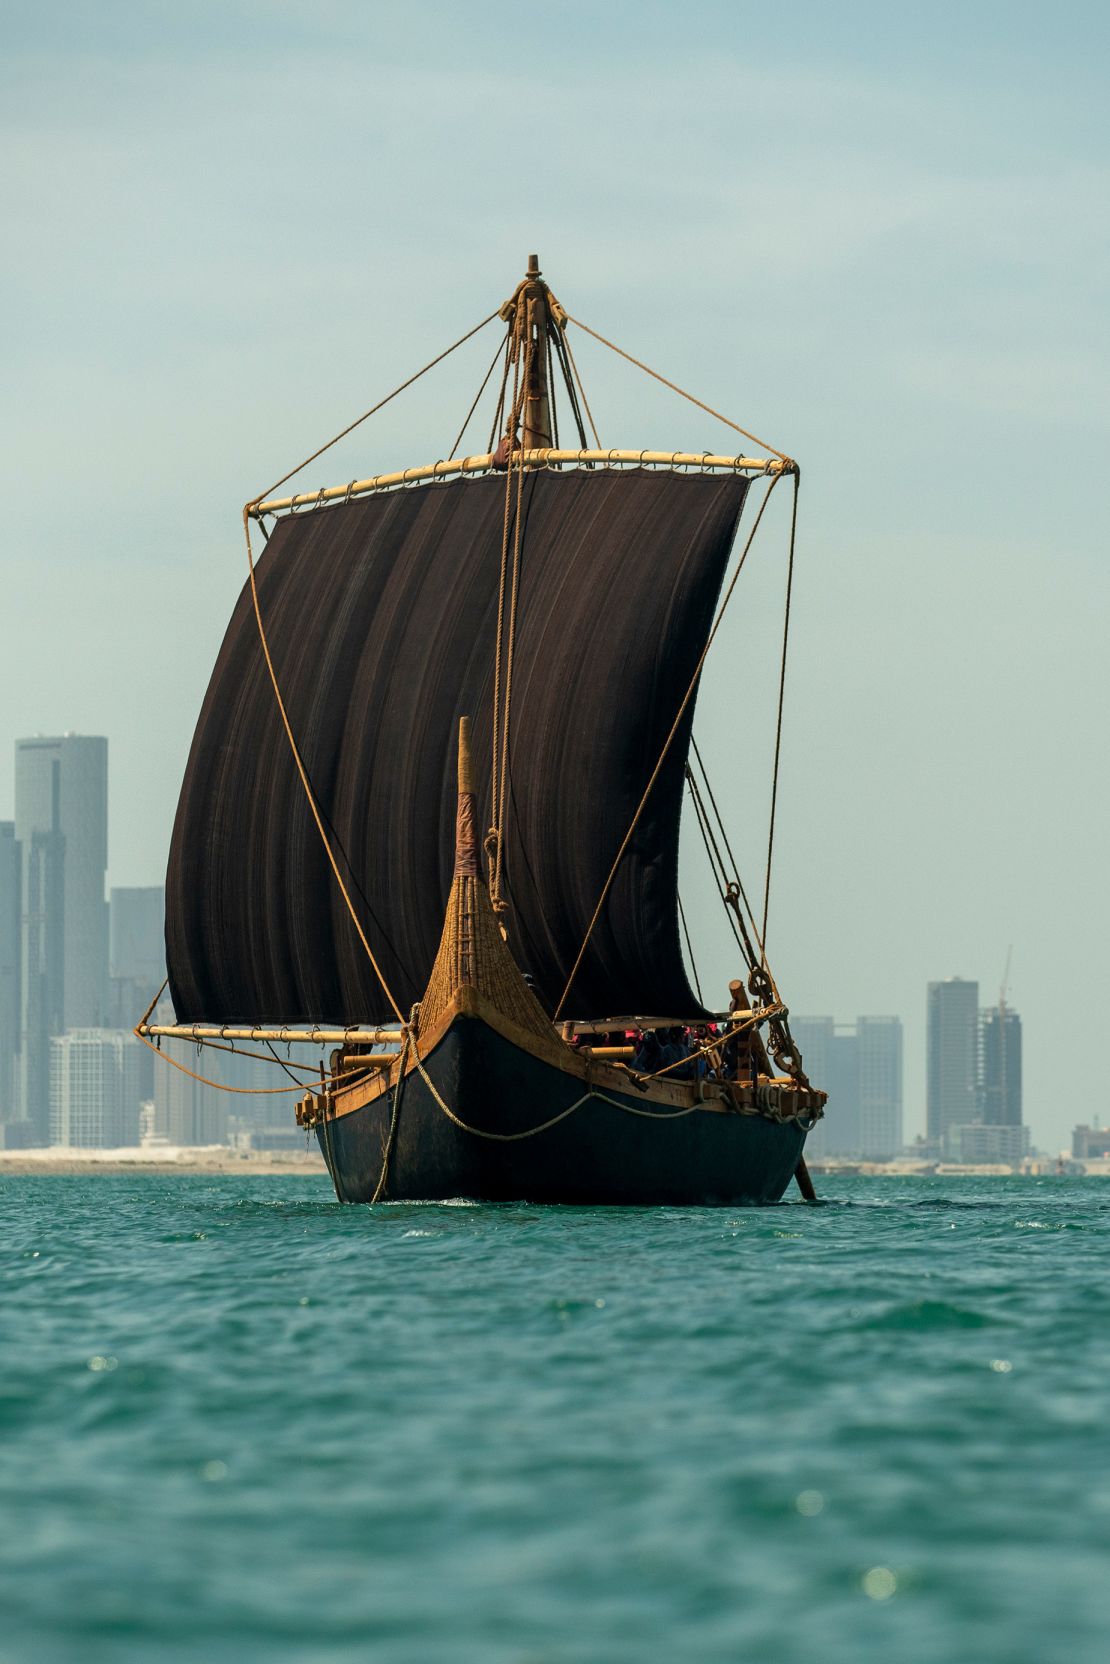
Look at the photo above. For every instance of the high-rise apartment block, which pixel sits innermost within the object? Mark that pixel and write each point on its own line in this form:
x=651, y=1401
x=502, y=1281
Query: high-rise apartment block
x=136, y=938
x=952, y=1058
x=879, y=1042
x=974, y=1076
x=10, y=911
x=61, y=827
x=1001, y=1067
x=94, y=1088
x=860, y=1066
x=136, y=962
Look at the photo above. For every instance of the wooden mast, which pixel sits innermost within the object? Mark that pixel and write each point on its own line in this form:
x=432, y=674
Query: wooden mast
x=533, y=321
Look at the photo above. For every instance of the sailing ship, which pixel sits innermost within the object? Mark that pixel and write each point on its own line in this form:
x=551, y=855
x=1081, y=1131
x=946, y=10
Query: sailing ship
x=430, y=818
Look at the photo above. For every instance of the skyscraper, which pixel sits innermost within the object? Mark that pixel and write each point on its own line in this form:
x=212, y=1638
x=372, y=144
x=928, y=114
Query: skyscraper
x=61, y=824
x=952, y=1058
x=136, y=962
x=136, y=940
x=830, y=1054
x=10, y=912
x=1001, y=1067
x=880, y=1085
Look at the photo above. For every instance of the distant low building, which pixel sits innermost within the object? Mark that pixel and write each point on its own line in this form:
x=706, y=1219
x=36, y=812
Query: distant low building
x=1090, y=1144
x=978, y=1144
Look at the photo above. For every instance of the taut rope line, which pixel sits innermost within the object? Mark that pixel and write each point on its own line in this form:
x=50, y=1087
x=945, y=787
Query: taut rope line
x=358, y=421
x=454, y=451
x=681, y=391
x=687, y=696
x=309, y=793
x=778, y=721
x=510, y=646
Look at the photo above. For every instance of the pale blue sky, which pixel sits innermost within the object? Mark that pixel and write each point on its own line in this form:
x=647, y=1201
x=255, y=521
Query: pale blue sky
x=876, y=235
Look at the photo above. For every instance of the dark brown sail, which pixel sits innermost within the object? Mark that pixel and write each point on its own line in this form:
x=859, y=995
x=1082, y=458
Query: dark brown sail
x=381, y=616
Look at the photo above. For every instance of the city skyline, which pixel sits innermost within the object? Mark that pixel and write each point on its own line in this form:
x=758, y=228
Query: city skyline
x=902, y=315
x=105, y=972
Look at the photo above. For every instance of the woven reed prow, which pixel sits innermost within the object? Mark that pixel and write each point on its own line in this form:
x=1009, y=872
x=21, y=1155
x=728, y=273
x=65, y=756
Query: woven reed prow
x=467, y=864
x=472, y=952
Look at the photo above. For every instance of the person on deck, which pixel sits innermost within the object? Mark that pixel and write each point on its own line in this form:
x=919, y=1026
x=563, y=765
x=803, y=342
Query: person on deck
x=648, y=1056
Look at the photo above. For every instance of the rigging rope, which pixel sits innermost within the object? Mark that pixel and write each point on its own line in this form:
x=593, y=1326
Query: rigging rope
x=681, y=391
x=732, y=890
x=778, y=721
x=358, y=421
x=722, y=828
x=689, y=948
x=250, y=1091
x=499, y=412
x=565, y=339
x=454, y=451
x=687, y=696
x=699, y=814
x=398, y=1094
x=510, y=648
x=310, y=795
x=506, y=636
x=510, y=434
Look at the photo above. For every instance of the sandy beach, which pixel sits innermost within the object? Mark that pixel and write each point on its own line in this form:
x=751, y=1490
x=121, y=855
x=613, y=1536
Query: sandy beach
x=214, y=1159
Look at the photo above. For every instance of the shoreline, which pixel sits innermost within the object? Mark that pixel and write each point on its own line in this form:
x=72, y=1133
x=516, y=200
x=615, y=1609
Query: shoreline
x=215, y=1161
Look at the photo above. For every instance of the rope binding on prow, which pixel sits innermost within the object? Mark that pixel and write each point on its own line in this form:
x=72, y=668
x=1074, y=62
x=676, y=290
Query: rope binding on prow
x=473, y=953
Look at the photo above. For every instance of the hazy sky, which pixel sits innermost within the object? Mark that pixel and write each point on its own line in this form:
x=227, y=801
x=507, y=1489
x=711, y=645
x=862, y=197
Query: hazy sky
x=877, y=235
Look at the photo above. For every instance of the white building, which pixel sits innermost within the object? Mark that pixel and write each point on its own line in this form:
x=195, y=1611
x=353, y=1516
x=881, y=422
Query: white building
x=95, y=1088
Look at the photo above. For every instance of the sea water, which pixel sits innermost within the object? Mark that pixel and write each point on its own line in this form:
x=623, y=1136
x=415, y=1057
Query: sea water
x=241, y=1422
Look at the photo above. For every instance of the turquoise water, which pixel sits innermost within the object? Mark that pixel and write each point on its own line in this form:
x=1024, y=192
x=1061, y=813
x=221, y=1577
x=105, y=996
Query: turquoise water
x=240, y=1422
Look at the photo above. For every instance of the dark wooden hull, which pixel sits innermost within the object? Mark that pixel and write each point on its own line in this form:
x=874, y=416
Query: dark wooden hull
x=600, y=1154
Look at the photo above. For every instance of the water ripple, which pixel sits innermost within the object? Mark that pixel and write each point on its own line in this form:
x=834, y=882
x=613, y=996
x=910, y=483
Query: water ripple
x=239, y=1422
